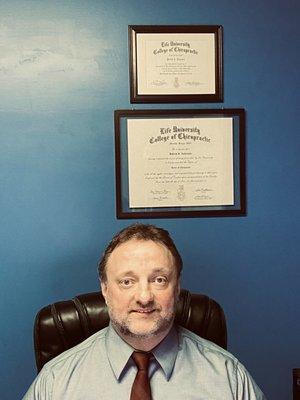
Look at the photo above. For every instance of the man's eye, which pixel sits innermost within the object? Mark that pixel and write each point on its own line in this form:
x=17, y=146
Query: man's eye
x=161, y=280
x=126, y=282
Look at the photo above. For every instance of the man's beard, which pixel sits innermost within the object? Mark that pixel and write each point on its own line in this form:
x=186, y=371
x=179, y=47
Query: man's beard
x=161, y=324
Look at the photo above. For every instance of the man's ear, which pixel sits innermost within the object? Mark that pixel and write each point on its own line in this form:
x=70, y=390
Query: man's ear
x=178, y=288
x=103, y=289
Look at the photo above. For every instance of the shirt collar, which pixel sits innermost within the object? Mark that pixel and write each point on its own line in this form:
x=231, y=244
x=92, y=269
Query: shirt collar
x=166, y=352
x=119, y=352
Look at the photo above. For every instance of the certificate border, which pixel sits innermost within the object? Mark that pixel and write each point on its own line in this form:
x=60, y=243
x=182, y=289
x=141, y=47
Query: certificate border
x=217, y=30
x=121, y=165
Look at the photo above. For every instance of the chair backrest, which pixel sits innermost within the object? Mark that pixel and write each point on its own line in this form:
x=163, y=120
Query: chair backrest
x=64, y=324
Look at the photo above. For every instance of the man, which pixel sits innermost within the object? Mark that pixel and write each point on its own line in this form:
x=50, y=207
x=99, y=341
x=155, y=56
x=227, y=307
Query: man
x=140, y=281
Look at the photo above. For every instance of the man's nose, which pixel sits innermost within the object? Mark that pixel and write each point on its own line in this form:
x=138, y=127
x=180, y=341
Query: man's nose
x=144, y=294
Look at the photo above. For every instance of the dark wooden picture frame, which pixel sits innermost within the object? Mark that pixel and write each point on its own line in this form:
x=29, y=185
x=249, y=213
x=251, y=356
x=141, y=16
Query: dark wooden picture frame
x=125, y=119
x=197, y=62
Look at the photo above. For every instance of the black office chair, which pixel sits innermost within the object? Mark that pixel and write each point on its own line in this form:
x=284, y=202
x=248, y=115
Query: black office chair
x=64, y=324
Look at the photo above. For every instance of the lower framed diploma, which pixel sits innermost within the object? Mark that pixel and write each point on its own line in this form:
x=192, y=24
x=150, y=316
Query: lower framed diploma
x=180, y=163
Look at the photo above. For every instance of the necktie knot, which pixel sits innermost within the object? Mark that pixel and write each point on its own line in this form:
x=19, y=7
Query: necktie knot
x=141, y=360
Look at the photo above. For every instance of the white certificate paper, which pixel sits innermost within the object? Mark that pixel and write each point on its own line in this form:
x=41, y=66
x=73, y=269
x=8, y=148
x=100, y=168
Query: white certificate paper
x=176, y=63
x=180, y=162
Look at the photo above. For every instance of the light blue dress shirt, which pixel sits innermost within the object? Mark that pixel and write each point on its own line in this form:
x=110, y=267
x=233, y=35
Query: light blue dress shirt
x=184, y=366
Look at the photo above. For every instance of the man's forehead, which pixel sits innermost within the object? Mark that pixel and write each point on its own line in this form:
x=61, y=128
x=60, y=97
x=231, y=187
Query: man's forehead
x=135, y=248
x=132, y=244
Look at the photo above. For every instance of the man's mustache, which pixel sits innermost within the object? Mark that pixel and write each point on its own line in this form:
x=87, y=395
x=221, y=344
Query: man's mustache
x=150, y=306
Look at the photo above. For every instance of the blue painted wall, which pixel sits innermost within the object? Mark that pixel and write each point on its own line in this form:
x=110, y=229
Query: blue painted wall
x=63, y=70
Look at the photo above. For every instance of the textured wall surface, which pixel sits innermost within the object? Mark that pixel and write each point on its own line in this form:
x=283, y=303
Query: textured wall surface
x=63, y=71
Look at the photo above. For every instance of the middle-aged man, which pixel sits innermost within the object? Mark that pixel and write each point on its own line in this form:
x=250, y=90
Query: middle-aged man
x=142, y=355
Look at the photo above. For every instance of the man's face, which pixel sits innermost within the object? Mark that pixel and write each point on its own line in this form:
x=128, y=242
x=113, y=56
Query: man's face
x=141, y=289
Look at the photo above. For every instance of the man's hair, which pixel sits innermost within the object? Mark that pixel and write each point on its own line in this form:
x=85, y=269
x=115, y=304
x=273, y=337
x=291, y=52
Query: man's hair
x=140, y=232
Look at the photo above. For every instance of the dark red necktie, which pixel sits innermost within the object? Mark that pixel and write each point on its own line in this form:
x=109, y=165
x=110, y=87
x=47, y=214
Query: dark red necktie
x=141, y=386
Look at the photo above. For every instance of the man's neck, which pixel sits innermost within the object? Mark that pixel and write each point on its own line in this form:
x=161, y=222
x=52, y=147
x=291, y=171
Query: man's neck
x=143, y=343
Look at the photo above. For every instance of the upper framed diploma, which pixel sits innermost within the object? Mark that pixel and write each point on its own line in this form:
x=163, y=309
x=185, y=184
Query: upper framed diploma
x=172, y=64
x=180, y=163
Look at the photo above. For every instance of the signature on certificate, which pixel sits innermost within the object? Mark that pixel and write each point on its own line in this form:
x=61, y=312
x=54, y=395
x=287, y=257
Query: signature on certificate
x=203, y=194
x=159, y=195
x=193, y=83
x=157, y=82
